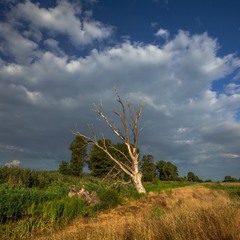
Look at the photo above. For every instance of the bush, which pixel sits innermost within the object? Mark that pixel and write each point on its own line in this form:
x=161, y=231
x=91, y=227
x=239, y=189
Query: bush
x=110, y=198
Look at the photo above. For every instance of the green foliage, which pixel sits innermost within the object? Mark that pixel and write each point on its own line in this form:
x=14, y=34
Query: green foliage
x=27, y=177
x=191, y=177
x=110, y=198
x=79, y=153
x=64, y=168
x=40, y=202
x=148, y=168
x=62, y=210
x=16, y=176
x=232, y=190
x=158, y=185
x=230, y=179
x=15, y=201
x=101, y=164
x=166, y=171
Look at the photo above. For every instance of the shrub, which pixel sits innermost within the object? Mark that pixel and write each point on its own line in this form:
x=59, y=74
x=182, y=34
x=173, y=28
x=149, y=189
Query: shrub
x=110, y=198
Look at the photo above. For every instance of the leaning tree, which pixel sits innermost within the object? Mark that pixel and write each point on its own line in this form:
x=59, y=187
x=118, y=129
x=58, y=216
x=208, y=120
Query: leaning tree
x=129, y=135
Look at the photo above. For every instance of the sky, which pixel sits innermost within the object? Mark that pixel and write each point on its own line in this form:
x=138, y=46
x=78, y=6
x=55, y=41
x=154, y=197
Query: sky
x=180, y=57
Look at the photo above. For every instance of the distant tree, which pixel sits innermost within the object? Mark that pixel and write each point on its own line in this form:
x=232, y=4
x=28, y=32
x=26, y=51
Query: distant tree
x=148, y=168
x=78, y=156
x=230, y=179
x=64, y=168
x=191, y=177
x=208, y=180
x=166, y=171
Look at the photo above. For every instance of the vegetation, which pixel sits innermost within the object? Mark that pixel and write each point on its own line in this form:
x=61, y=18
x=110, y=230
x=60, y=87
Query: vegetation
x=100, y=163
x=78, y=157
x=191, y=177
x=230, y=179
x=128, y=134
x=166, y=171
x=182, y=214
x=148, y=168
x=233, y=188
x=35, y=203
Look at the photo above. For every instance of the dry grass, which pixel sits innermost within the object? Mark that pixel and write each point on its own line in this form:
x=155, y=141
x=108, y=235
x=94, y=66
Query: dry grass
x=186, y=213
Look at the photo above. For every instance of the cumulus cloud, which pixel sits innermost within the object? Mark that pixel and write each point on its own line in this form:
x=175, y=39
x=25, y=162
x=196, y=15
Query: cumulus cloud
x=62, y=19
x=163, y=33
x=14, y=44
x=13, y=163
x=185, y=120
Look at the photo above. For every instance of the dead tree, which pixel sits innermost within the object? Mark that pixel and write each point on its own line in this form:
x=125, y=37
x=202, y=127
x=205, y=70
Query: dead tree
x=129, y=135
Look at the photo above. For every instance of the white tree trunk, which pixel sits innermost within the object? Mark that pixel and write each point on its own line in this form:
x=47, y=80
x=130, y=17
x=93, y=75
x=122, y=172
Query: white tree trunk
x=130, y=128
x=137, y=182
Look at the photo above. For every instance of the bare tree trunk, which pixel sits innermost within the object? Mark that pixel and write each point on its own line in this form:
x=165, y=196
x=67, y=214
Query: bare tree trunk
x=129, y=121
x=137, y=182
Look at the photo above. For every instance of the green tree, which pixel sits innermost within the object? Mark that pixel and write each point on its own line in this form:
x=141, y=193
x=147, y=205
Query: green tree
x=166, y=171
x=148, y=168
x=229, y=179
x=64, y=168
x=100, y=163
x=191, y=177
x=79, y=153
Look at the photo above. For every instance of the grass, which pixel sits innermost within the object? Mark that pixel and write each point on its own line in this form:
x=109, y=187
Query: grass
x=180, y=214
x=158, y=186
x=34, y=205
x=32, y=202
x=233, y=189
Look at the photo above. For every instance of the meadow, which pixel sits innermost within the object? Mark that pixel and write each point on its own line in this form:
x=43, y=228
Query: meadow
x=35, y=205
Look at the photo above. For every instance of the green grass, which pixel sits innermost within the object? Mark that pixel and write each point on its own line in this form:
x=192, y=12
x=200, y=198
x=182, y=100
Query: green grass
x=231, y=189
x=32, y=201
x=158, y=186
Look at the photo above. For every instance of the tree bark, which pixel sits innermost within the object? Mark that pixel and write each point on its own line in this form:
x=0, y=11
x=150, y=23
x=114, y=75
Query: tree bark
x=137, y=182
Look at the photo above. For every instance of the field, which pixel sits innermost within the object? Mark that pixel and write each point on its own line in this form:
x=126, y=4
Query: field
x=193, y=212
x=34, y=205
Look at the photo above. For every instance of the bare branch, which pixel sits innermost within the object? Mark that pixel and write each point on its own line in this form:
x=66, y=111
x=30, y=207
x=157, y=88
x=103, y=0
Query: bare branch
x=129, y=123
x=112, y=127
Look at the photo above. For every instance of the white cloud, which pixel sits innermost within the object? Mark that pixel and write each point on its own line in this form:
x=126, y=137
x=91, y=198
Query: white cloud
x=231, y=155
x=42, y=101
x=163, y=33
x=13, y=163
x=13, y=43
x=63, y=19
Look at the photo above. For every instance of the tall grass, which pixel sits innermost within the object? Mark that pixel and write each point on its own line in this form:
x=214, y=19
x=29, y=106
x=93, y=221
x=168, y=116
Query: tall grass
x=189, y=213
x=32, y=201
x=158, y=186
x=233, y=189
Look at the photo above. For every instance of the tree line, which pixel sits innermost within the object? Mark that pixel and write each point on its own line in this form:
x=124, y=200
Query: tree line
x=101, y=166
x=119, y=160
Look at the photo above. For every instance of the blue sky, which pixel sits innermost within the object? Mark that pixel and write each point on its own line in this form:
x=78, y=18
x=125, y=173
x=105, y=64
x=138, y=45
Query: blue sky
x=181, y=58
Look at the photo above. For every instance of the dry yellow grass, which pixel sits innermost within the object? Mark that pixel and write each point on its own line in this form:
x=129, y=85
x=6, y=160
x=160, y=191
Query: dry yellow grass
x=186, y=213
